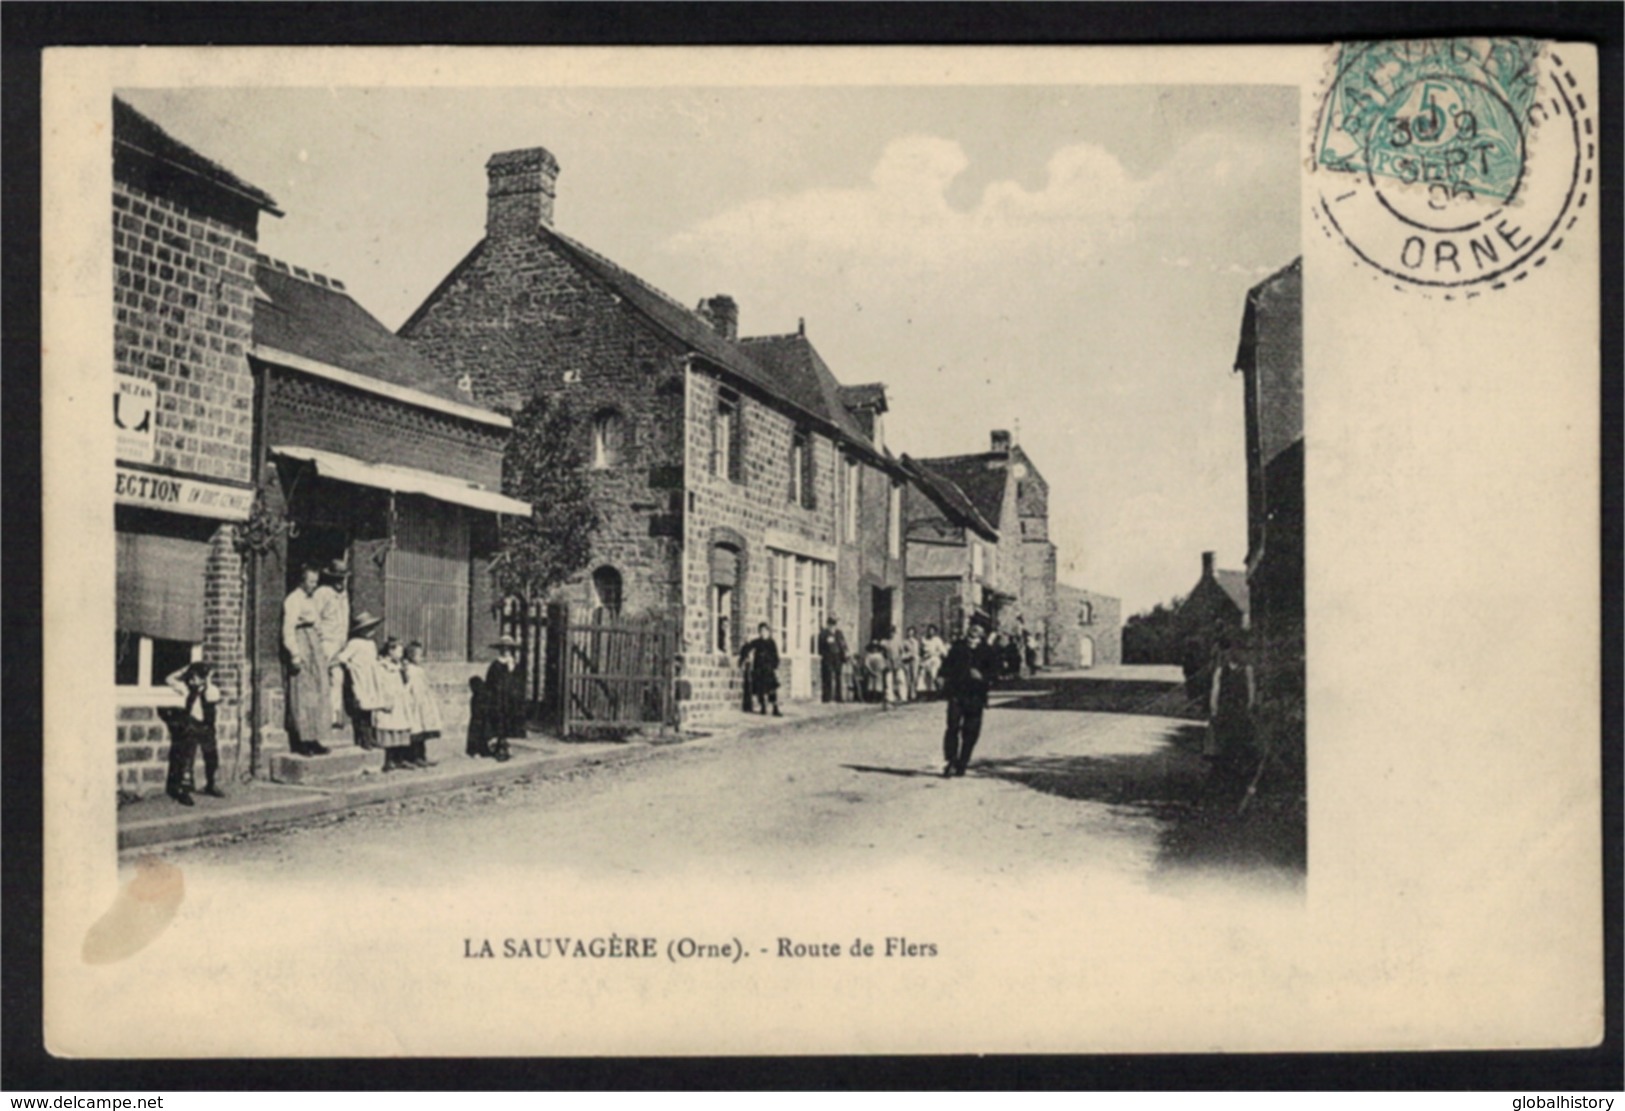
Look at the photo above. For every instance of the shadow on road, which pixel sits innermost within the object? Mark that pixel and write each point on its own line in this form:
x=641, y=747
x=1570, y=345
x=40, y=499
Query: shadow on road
x=874, y=770
x=1098, y=696
x=1201, y=828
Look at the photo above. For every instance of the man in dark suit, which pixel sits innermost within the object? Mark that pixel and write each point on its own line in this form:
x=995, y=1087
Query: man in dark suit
x=967, y=674
x=831, y=659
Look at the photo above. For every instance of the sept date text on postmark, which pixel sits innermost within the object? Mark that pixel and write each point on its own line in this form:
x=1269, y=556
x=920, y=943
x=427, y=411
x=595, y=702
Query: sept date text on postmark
x=1452, y=166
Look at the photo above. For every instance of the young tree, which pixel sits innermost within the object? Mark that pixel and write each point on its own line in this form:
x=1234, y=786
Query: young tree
x=545, y=465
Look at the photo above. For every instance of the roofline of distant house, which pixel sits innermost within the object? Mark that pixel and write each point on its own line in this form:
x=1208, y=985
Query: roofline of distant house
x=926, y=480
x=366, y=382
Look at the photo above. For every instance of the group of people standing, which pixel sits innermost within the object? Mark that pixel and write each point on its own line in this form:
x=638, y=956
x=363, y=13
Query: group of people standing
x=342, y=670
x=891, y=668
x=339, y=671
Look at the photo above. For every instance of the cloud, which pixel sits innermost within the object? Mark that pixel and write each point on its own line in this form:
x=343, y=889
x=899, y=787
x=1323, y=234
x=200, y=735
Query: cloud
x=901, y=220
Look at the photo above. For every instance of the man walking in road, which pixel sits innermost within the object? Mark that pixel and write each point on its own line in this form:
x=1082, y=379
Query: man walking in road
x=966, y=676
x=831, y=659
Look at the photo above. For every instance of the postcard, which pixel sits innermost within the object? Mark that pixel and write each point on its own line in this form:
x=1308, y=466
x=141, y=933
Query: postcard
x=706, y=551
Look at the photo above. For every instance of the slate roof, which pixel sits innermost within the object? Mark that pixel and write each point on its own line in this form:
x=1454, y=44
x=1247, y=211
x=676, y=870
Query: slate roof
x=799, y=380
x=983, y=485
x=1234, y=583
x=311, y=315
x=132, y=129
x=800, y=372
x=949, y=498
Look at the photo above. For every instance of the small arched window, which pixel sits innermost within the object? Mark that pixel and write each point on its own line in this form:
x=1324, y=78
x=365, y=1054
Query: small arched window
x=608, y=438
x=1086, y=614
x=606, y=591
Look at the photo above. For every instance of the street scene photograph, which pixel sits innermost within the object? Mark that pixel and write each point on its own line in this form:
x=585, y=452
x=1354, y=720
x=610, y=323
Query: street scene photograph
x=800, y=477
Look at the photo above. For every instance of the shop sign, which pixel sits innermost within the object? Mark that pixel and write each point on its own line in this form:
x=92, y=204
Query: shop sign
x=135, y=404
x=182, y=495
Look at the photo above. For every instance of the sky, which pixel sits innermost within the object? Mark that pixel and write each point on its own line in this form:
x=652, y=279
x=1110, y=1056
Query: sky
x=1069, y=263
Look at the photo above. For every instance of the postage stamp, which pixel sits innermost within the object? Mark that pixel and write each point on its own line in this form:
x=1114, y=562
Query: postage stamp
x=1452, y=165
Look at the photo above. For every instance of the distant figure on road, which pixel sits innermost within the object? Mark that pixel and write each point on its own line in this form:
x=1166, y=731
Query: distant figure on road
x=831, y=659
x=932, y=650
x=966, y=676
x=1230, y=708
x=761, y=660
x=1030, y=646
x=877, y=673
x=908, y=665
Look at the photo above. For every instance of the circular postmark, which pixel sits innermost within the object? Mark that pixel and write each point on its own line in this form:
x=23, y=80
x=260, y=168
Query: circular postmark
x=1452, y=166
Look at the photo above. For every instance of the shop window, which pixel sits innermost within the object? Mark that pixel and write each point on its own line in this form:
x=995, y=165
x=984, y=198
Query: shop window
x=606, y=591
x=608, y=439
x=142, y=661
x=159, y=566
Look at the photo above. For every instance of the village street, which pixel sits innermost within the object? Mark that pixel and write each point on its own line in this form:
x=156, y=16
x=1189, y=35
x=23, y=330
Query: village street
x=1052, y=784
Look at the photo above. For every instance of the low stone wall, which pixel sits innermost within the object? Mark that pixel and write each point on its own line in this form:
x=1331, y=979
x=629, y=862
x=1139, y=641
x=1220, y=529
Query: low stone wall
x=143, y=749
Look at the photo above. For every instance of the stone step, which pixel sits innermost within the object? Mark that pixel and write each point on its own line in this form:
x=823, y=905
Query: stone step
x=339, y=764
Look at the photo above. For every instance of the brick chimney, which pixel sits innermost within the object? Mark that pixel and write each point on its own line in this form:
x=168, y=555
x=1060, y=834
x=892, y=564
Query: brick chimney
x=1207, y=565
x=722, y=312
x=1001, y=440
x=519, y=196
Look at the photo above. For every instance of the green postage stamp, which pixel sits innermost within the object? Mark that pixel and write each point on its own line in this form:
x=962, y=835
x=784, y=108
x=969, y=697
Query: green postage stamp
x=1453, y=165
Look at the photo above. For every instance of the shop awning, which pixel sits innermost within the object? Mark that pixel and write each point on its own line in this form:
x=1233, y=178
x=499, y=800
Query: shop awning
x=404, y=480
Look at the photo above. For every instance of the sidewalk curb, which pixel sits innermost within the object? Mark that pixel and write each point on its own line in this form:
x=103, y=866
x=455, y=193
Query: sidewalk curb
x=304, y=803
x=318, y=802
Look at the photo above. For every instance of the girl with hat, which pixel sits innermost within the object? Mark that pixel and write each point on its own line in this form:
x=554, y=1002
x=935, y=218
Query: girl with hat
x=504, y=696
x=422, y=707
x=364, y=691
x=392, y=724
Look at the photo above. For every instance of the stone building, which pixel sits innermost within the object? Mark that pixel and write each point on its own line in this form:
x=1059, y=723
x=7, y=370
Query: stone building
x=184, y=235
x=952, y=553
x=1270, y=360
x=1010, y=493
x=735, y=483
x=1087, y=627
x=373, y=457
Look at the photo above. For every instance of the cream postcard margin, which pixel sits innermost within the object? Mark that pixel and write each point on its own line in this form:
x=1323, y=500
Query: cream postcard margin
x=1454, y=880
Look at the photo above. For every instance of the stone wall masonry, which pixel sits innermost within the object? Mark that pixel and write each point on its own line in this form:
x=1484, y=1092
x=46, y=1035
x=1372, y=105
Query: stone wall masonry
x=522, y=321
x=183, y=299
x=749, y=508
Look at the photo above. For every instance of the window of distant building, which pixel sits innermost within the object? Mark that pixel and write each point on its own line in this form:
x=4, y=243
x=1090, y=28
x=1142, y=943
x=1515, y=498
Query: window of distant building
x=724, y=598
x=894, y=522
x=608, y=438
x=727, y=438
x=1086, y=614
x=849, y=500
x=802, y=486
